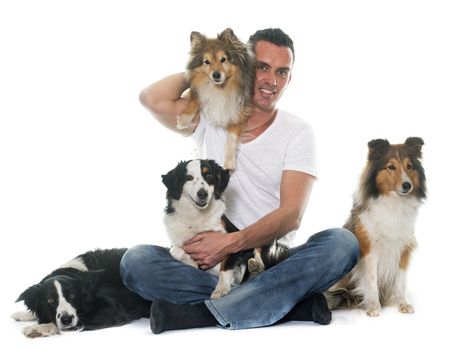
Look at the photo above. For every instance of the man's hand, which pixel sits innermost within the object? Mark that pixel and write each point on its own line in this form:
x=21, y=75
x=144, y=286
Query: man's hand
x=209, y=248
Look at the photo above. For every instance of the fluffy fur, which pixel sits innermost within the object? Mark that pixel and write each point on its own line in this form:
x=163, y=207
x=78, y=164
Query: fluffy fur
x=84, y=294
x=195, y=205
x=392, y=188
x=220, y=73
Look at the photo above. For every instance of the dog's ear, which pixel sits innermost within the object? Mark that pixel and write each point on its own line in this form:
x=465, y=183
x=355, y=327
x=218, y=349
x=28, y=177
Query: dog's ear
x=227, y=34
x=174, y=181
x=223, y=177
x=378, y=148
x=197, y=39
x=31, y=298
x=415, y=144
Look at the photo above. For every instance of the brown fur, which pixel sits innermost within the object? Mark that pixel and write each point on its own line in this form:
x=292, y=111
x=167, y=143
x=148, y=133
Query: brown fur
x=220, y=73
x=392, y=186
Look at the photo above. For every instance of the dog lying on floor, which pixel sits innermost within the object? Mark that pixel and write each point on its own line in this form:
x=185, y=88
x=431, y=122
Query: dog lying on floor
x=86, y=293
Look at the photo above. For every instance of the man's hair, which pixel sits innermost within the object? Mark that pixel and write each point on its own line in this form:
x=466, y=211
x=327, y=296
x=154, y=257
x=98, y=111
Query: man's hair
x=275, y=36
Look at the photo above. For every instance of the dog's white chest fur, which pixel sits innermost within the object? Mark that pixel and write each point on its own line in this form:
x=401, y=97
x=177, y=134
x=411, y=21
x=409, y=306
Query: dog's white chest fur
x=390, y=220
x=187, y=221
x=219, y=107
x=390, y=225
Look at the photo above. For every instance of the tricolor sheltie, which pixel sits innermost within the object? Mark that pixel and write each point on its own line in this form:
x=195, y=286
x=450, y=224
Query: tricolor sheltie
x=392, y=188
x=195, y=205
x=221, y=75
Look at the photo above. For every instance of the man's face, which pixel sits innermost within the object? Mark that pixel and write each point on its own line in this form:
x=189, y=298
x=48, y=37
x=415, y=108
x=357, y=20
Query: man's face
x=273, y=73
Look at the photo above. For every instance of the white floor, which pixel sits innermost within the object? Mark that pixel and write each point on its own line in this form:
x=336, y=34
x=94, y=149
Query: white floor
x=442, y=318
x=432, y=325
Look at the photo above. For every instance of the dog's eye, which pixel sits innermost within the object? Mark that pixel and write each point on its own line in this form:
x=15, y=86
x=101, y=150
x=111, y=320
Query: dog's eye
x=409, y=166
x=189, y=178
x=207, y=62
x=72, y=296
x=391, y=167
x=50, y=300
x=223, y=59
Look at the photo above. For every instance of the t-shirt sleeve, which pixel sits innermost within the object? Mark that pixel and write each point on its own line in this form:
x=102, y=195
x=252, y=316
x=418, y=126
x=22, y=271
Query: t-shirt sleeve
x=301, y=151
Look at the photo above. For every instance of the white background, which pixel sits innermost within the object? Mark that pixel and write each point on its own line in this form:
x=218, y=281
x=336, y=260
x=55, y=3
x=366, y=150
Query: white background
x=81, y=159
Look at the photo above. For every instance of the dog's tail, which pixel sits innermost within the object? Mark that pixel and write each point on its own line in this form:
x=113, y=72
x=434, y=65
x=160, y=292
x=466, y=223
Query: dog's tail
x=342, y=298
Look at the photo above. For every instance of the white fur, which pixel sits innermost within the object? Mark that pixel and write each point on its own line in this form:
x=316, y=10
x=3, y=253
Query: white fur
x=231, y=148
x=40, y=330
x=220, y=107
x=76, y=263
x=188, y=220
x=389, y=222
x=64, y=308
x=24, y=316
x=224, y=284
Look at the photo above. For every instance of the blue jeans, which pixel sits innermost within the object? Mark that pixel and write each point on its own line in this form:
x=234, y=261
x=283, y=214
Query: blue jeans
x=312, y=267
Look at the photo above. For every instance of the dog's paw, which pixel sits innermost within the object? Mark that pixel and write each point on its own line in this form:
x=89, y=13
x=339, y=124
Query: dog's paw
x=255, y=266
x=373, y=312
x=40, y=330
x=219, y=292
x=24, y=316
x=406, y=308
x=229, y=164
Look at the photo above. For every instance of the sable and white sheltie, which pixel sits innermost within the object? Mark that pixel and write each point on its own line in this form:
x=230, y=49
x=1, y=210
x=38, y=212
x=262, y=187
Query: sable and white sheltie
x=392, y=188
x=221, y=75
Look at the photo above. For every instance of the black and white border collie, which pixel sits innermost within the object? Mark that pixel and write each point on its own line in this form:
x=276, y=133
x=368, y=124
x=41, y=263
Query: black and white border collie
x=195, y=205
x=85, y=293
x=392, y=188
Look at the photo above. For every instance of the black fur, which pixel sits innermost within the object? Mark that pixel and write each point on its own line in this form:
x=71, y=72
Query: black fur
x=379, y=151
x=98, y=295
x=175, y=179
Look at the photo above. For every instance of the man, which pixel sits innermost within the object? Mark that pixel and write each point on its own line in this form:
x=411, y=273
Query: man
x=266, y=199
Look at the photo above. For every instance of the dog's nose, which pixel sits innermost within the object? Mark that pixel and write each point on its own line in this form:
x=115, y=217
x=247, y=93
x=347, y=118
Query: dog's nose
x=216, y=75
x=202, y=194
x=406, y=186
x=67, y=319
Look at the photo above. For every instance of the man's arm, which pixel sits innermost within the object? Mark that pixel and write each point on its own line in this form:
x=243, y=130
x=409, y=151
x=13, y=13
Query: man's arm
x=208, y=248
x=165, y=102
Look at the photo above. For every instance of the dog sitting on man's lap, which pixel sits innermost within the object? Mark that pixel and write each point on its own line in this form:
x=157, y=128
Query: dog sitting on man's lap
x=195, y=205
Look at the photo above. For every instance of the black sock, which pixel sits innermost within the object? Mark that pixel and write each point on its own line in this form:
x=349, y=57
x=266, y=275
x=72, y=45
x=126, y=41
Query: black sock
x=166, y=316
x=313, y=308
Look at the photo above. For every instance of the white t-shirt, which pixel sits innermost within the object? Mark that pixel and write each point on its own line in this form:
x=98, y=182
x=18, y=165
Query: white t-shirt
x=254, y=187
